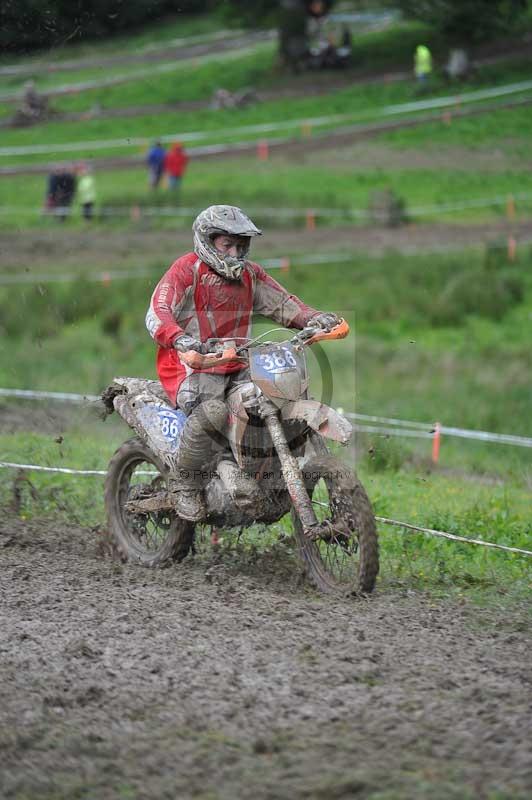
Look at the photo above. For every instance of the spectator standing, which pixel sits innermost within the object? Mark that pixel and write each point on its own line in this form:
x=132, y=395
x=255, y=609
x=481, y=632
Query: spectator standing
x=422, y=65
x=86, y=191
x=60, y=192
x=175, y=165
x=51, y=183
x=155, y=161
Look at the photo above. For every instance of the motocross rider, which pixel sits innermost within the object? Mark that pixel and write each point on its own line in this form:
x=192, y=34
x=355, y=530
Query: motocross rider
x=212, y=293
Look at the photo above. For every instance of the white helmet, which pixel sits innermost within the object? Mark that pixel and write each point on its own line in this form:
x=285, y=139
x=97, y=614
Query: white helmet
x=217, y=221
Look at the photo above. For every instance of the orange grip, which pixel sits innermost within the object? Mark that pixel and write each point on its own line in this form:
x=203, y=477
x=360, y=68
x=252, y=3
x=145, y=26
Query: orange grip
x=340, y=331
x=199, y=361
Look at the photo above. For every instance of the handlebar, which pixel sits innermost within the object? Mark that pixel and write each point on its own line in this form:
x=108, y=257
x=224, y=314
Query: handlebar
x=199, y=361
x=307, y=336
x=340, y=331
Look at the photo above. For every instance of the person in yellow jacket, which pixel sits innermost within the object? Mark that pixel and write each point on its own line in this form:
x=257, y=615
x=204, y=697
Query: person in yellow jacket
x=422, y=64
x=86, y=191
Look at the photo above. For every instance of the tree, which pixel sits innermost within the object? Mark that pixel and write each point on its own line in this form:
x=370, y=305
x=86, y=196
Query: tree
x=27, y=24
x=290, y=17
x=467, y=21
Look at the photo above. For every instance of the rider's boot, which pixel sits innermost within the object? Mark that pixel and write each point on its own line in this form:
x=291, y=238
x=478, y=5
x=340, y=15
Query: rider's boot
x=202, y=430
x=243, y=489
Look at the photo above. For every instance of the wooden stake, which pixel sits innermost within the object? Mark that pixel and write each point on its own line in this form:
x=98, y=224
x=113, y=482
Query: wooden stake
x=263, y=150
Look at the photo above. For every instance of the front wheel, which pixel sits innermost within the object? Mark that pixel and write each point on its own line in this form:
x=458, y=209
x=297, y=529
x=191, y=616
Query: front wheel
x=153, y=538
x=348, y=561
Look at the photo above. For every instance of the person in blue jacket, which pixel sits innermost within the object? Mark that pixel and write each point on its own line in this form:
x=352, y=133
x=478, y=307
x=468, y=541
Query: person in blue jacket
x=155, y=160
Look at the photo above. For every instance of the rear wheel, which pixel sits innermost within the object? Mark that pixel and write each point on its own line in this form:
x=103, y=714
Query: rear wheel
x=347, y=561
x=153, y=538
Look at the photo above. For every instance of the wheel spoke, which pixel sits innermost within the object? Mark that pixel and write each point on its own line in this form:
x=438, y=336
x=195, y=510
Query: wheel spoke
x=337, y=553
x=148, y=530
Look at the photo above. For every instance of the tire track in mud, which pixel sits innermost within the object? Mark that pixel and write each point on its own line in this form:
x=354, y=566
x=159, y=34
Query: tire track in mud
x=44, y=249
x=232, y=679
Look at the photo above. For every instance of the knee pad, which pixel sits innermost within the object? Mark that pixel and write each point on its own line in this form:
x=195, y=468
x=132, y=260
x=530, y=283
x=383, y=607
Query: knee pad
x=213, y=415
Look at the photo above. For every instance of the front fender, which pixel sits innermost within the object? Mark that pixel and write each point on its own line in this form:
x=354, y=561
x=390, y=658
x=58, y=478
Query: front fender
x=322, y=419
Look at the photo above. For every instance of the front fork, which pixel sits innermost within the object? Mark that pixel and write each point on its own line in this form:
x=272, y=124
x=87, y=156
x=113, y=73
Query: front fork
x=291, y=472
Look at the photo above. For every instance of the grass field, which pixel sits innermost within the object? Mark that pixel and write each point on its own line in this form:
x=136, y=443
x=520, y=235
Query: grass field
x=444, y=167
x=441, y=338
x=360, y=102
x=331, y=177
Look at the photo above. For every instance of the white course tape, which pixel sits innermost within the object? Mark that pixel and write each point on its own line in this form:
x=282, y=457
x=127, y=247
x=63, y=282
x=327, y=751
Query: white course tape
x=142, y=272
x=268, y=127
x=64, y=470
x=138, y=74
x=464, y=433
x=347, y=214
x=29, y=394
x=426, y=426
x=451, y=536
x=392, y=431
x=386, y=425
x=385, y=520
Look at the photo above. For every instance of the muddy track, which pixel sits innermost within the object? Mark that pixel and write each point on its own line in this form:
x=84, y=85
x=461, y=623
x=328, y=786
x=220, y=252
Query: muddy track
x=232, y=679
x=177, y=52
x=37, y=250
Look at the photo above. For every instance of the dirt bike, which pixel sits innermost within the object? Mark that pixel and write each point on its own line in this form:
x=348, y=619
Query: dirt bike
x=275, y=436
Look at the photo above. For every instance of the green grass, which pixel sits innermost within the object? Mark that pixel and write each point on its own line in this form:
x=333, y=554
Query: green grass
x=497, y=514
x=362, y=102
x=507, y=129
x=446, y=342
x=339, y=183
x=165, y=81
x=313, y=182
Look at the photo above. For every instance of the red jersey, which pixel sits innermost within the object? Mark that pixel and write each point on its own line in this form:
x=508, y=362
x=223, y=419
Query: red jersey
x=192, y=298
x=175, y=161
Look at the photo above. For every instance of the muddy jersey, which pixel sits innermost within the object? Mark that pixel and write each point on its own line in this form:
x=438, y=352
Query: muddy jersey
x=192, y=298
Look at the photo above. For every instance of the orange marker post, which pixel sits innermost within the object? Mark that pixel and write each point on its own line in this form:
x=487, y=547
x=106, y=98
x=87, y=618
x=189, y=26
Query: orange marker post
x=447, y=117
x=285, y=264
x=135, y=213
x=436, y=443
x=106, y=279
x=263, y=151
x=310, y=220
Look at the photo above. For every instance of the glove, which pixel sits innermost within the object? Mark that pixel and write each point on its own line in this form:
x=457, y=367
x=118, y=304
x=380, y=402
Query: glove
x=325, y=320
x=185, y=342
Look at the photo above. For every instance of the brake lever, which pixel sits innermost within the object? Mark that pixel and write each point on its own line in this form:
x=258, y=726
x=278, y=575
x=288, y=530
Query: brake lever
x=304, y=334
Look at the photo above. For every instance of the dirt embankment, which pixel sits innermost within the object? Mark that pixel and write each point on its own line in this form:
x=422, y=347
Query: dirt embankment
x=232, y=680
